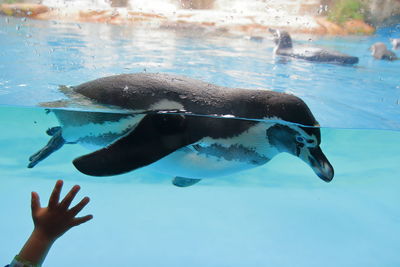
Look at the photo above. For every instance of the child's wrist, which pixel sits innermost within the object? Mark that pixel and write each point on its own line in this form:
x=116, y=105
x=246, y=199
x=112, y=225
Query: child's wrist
x=36, y=248
x=40, y=236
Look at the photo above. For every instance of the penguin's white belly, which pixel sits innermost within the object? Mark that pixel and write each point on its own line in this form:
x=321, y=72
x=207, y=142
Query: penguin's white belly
x=205, y=159
x=218, y=157
x=192, y=164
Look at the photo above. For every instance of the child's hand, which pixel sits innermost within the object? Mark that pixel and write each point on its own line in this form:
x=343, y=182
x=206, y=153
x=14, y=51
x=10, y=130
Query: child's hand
x=57, y=218
x=50, y=223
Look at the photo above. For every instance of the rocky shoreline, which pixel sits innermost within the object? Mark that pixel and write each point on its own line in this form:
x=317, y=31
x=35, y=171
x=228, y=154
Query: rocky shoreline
x=213, y=21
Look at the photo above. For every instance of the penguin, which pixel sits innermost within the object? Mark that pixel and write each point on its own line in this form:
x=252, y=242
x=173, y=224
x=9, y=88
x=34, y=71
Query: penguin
x=395, y=43
x=183, y=127
x=380, y=51
x=284, y=47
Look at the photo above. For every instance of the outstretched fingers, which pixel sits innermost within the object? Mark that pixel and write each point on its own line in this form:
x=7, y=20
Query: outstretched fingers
x=35, y=202
x=78, y=207
x=69, y=197
x=55, y=195
x=80, y=220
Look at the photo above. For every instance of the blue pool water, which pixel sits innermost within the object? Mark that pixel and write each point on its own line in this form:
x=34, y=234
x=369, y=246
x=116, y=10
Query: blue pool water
x=280, y=214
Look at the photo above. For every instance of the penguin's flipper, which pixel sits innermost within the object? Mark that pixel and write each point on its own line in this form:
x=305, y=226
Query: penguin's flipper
x=156, y=136
x=55, y=143
x=184, y=182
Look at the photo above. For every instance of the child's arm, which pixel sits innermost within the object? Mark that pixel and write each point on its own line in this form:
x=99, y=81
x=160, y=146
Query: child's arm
x=50, y=223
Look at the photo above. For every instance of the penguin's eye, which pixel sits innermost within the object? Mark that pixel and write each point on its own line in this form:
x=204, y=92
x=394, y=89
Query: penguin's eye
x=299, y=139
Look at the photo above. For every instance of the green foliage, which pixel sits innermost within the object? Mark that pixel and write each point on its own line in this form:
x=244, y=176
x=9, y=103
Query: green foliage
x=9, y=1
x=345, y=10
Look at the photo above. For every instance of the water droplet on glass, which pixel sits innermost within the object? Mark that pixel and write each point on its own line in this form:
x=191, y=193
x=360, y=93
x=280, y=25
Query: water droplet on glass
x=144, y=70
x=17, y=27
x=23, y=19
x=7, y=20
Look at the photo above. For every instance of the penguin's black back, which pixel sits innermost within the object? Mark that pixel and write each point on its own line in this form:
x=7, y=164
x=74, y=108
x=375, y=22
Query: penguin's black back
x=140, y=91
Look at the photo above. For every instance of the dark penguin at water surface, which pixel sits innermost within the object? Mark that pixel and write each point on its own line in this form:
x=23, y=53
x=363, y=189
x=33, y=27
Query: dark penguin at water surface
x=217, y=130
x=284, y=47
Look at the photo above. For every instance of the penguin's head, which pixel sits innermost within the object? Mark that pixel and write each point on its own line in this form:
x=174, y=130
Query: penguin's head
x=395, y=43
x=302, y=142
x=378, y=50
x=282, y=39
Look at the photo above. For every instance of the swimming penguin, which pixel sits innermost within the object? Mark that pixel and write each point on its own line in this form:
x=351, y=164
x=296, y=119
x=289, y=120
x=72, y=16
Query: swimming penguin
x=395, y=43
x=284, y=47
x=380, y=51
x=214, y=131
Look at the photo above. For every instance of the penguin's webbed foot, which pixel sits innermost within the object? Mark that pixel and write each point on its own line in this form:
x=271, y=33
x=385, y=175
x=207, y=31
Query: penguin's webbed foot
x=184, y=182
x=55, y=143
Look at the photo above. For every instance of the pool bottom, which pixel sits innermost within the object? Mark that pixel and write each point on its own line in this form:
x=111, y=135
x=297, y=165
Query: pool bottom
x=280, y=214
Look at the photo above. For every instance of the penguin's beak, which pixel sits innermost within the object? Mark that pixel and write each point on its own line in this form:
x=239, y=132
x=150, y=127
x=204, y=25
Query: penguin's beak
x=316, y=159
x=371, y=48
x=275, y=34
x=273, y=31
